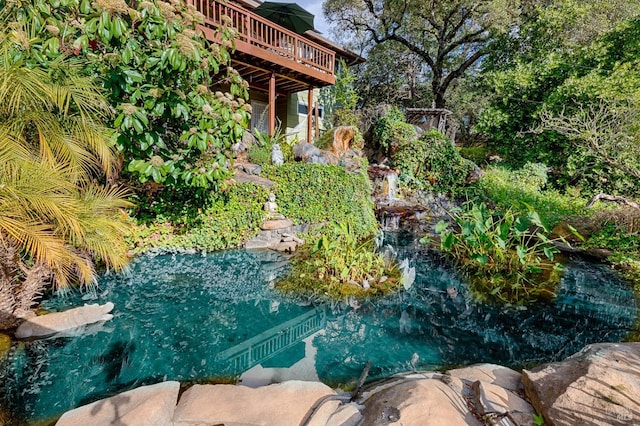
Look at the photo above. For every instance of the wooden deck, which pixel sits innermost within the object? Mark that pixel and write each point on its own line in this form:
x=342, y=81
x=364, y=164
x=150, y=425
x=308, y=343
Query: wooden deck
x=263, y=48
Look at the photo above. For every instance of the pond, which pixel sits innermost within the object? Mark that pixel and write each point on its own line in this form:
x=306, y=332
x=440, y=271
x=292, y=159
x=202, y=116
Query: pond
x=217, y=317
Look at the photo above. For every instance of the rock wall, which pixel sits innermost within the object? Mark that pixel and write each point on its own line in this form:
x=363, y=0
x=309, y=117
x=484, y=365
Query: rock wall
x=600, y=385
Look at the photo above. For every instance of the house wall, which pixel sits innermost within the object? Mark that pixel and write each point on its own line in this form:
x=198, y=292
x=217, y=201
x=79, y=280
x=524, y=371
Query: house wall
x=296, y=122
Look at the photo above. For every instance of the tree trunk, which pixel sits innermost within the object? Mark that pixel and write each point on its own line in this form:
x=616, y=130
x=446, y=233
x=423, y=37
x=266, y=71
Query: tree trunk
x=19, y=286
x=615, y=199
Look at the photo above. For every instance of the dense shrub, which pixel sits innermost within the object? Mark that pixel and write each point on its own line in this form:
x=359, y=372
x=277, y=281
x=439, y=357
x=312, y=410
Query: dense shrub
x=313, y=193
x=392, y=131
x=431, y=163
x=521, y=189
x=158, y=73
x=341, y=265
x=225, y=220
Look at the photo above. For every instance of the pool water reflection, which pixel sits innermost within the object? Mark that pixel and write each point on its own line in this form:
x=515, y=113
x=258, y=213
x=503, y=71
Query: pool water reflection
x=213, y=317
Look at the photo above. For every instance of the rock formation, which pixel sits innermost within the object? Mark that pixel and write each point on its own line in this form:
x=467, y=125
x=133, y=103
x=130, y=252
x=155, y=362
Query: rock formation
x=47, y=325
x=600, y=385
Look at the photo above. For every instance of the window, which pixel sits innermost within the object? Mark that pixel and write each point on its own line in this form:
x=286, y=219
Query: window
x=259, y=116
x=303, y=110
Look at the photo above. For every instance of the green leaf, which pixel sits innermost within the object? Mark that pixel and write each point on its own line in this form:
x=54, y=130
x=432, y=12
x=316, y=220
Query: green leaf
x=482, y=259
x=522, y=253
x=441, y=226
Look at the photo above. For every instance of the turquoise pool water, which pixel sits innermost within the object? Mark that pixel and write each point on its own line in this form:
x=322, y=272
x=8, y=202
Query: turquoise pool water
x=217, y=317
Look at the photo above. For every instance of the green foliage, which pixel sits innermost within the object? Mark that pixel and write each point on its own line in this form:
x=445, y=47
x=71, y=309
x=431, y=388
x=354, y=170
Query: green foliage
x=522, y=189
x=476, y=154
x=314, y=193
x=158, y=71
x=260, y=152
x=505, y=254
x=340, y=265
x=565, y=91
x=225, y=220
x=448, y=37
x=431, y=163
x=392, y=131
x=346, y=96
x=538, y=420
x=56, y=221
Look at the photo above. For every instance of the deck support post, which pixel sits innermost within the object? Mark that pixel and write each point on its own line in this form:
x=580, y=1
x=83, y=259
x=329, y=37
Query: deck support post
x=309, y=114
x=272, y=104
x=316, y=108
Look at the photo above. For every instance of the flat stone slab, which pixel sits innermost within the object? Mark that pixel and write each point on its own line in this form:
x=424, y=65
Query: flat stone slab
x=281, y=404
x=146, y=405
x=490, y=373
x=418, y=402
x=46, y=325
x=600, y=385
x=269, y=225
x=495, y=399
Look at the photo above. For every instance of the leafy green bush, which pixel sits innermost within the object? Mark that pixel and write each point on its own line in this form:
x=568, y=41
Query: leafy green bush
x=227, y=220
x=392, y=131
x=157, y=71
x=431, y=163
x=505, y=259
x=477, y=154
x=533, y=175
x=314, y=193
x=340, y=265
x=259, y=154
x=521, y=190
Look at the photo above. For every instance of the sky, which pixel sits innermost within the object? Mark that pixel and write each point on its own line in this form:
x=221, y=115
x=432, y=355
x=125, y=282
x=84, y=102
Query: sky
x=315, y=7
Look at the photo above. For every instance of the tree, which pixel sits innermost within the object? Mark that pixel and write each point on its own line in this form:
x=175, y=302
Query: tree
x=54, y=220
x=172, y=128
x=449, y=36
x=565, y=92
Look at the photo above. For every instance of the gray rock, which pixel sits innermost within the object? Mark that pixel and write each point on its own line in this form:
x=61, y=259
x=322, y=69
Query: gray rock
x=146, y=405
x=345, y=415
x=303, y=151
x=47, y=325
x=600, y=385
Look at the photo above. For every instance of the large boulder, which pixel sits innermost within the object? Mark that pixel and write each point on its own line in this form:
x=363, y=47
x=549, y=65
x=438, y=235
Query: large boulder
x=57, y=322
x=600, y=385
x=282, y=404
x=303, y=151
x=418, y=402
x=489, y=373
x=342, y=139
x=146, y=405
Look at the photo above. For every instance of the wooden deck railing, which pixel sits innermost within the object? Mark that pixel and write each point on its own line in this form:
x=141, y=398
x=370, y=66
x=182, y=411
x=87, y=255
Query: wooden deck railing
x=258, y=31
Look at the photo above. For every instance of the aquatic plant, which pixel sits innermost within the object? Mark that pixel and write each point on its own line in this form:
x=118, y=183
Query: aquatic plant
x=339, y=265
x=507, y=256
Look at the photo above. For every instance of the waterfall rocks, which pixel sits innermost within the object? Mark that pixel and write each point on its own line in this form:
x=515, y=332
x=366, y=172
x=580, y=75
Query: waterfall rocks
x=49, y=324
x=600, y=385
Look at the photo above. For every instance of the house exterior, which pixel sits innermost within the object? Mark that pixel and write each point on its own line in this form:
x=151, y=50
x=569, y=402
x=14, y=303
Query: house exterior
x=284, y=70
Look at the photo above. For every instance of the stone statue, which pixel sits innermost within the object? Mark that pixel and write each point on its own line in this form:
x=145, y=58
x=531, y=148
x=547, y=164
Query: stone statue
x=271, y=207
x=277, y=157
